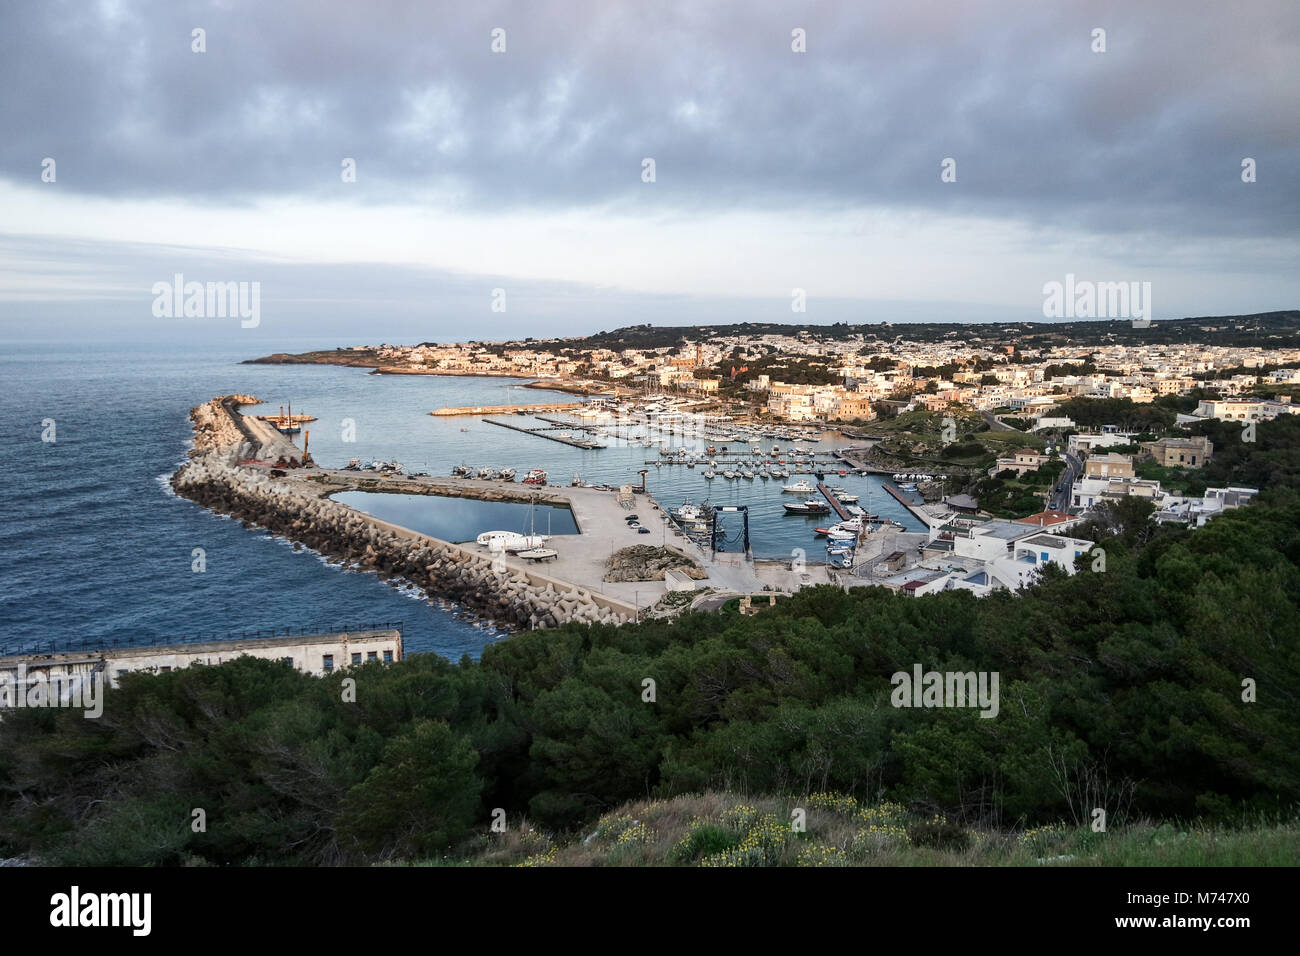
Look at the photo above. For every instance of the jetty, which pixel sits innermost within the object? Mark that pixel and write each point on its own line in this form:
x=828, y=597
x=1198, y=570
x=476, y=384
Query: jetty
x=448, y=410
x=833, y=501
x=909, y=505
x=543, y=432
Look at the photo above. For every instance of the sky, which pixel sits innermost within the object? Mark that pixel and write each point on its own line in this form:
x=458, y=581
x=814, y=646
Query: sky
x=523, y=168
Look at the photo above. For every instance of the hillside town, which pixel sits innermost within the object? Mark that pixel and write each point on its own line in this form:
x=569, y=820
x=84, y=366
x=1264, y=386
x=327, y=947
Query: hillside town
x=1000, y=448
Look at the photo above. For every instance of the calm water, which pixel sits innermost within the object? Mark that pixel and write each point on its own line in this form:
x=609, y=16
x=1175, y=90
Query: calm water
x=459, y=519
x=93, y=544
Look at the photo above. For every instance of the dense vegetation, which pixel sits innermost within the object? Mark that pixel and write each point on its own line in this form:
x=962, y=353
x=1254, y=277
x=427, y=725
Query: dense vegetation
x=1119, y=688
x=1265, y=329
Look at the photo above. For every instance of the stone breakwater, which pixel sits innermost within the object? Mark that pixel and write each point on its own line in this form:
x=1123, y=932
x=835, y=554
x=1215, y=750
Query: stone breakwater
x=217, y=423
x=294, y=509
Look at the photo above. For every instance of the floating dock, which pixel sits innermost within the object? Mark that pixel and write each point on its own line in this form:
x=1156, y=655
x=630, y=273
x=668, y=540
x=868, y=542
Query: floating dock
x=542, y=433
x=834, y=502
x=505, y=409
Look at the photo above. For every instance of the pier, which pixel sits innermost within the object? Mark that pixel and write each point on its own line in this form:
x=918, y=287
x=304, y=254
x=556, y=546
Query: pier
x=505, y=409
x=795, y=467
x=542, y=433
x=912, y=507
x=834, y=502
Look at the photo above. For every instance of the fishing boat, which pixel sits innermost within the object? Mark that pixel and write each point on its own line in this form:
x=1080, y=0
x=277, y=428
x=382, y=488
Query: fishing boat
x=535, y=477
x=507, y=474
x=286, y=424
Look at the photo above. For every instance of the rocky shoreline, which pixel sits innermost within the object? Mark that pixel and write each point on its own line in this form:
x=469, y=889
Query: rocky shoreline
x=512, y=598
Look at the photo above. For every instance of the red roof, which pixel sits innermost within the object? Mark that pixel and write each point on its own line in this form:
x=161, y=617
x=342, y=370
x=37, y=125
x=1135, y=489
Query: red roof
x=1045, y=518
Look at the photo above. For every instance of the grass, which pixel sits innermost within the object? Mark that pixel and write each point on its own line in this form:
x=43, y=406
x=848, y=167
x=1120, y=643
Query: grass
x=722, y=829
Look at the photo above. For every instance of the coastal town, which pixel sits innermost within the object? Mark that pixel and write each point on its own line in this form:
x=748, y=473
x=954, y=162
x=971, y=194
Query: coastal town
x=997, y=451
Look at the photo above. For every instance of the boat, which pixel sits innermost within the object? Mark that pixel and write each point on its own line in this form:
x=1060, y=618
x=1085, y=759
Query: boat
x=800, y=487
x=762, y=473
x=462, y=471
x=354, y=464
x=538, y=554
x=747, y=474
x=535, y=477
x=710, y=475
x=511, y=540
x=507, y=474
x=810, y=507
x=729, y=474
x=285, y=424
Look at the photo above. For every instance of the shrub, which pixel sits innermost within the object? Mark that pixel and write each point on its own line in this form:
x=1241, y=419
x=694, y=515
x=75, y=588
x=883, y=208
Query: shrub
x=939, y=834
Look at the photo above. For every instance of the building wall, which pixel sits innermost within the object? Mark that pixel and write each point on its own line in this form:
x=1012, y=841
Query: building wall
x=307, y=654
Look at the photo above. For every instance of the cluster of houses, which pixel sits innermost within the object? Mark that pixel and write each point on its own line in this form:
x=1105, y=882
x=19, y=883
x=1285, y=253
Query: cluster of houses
x=971, y=550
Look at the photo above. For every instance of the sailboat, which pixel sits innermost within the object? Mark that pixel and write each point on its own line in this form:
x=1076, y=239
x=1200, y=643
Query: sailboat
x=536, y=552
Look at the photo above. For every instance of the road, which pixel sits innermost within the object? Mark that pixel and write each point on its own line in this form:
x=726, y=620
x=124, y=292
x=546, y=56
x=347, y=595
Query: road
x=994, y=424
x=1060, y=498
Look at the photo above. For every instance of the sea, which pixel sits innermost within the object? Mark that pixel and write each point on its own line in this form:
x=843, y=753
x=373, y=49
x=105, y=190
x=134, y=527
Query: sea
x=95, y=547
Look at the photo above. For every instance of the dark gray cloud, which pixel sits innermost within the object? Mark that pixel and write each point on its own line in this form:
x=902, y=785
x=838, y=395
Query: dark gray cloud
x=1147, y=137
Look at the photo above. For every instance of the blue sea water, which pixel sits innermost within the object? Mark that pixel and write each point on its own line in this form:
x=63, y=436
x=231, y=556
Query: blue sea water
x=94, y=545
x=460, y=519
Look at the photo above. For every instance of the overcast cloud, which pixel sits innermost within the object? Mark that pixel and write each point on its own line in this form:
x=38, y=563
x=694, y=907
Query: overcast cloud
x=817, y=166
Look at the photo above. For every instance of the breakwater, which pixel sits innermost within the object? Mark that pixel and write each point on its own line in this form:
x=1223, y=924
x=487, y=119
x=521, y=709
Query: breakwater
x=294, y=507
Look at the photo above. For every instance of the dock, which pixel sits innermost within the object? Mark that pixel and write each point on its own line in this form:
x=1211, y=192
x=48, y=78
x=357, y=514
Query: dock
x=829, y=495
x=506, y=409
x=542, y=433
x=912, y=507
x=796, y=467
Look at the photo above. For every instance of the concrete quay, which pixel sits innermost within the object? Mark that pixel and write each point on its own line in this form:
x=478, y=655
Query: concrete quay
x=580, y=562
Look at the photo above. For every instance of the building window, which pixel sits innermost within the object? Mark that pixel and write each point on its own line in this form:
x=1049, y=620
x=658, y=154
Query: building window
x=287, y=660
x=328, y=662
x=372, y=656
x=388, y=657
x=164, y=669
x=356, y=657
x=1045, y=556
x=122, y=672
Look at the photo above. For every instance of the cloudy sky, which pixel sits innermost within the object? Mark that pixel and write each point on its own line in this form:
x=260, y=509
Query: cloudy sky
x=523, y=169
